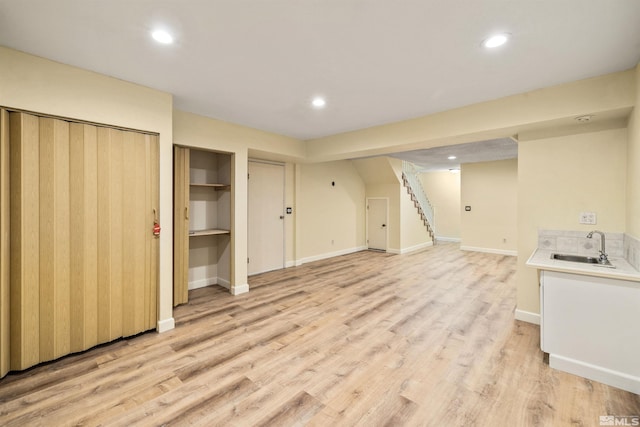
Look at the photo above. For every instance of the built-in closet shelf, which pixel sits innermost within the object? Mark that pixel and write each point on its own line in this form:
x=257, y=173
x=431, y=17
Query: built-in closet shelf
x=217, y=187
x=202, y=207
x=210, y=232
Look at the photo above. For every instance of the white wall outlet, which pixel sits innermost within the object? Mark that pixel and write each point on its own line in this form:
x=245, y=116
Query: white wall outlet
x=587, y=218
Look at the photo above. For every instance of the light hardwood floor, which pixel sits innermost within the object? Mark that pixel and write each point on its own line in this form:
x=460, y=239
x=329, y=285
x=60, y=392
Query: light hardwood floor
x=365, y=339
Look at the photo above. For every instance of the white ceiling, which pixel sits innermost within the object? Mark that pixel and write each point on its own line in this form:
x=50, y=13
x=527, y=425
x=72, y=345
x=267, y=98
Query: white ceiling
x=258, y=63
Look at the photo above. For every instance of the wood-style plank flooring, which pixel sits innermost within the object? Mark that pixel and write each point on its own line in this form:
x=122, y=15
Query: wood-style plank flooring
x=366, y=339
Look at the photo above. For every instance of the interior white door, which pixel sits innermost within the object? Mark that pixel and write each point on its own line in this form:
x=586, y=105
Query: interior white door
x=377, y=224
x=265, y=217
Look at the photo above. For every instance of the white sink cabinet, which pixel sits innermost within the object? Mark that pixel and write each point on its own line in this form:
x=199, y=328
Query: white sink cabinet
x=590, y=326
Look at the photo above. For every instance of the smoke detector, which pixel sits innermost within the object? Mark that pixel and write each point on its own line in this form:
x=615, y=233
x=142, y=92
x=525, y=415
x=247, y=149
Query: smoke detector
x=584, y=119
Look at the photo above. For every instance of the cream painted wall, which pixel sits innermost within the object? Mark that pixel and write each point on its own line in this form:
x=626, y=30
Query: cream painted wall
x=381, y=181
x=330, y=219
x=290, y=219
x=443, y=191
x=383, y=178
x=35, y=84
x=192, y=130
x=633, y=166
x=557, y=179
x=378, y=170
x=611, y=94
x=491, y=189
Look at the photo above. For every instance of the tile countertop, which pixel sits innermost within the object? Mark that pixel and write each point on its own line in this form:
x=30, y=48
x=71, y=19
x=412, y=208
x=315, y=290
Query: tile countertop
x=541, y=259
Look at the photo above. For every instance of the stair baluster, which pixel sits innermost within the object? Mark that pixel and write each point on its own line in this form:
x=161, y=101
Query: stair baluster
x=414, y=187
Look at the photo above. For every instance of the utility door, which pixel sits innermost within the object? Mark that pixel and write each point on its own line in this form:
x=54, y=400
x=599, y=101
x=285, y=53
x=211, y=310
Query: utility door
x=377, y=220
x=265, y=217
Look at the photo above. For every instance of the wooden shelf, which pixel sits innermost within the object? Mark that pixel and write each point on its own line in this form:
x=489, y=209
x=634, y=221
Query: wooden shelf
x=210, y=232
x=217, y=187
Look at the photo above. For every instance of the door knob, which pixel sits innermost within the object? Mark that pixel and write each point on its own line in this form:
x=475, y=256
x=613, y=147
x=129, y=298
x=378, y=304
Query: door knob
x=384, y=225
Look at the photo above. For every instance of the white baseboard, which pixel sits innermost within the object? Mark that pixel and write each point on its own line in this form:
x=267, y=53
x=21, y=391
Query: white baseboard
x=410, y=249
x=330, y=255
x=289, y=264
x=166, y=325
x=597, y=373
x=489, y=250
x=224, y=283
x=527, y=316
x=202, y=283
x=240, y=289
x=448, y=239
x=265, y=271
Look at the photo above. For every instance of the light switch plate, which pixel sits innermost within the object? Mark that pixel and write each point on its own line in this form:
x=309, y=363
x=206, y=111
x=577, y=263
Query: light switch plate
x=587, y=218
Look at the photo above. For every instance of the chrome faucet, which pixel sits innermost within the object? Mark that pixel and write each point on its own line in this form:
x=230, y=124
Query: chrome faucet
x=603, y=254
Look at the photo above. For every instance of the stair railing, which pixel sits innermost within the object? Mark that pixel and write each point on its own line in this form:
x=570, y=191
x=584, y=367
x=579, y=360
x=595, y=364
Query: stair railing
x=416, y=190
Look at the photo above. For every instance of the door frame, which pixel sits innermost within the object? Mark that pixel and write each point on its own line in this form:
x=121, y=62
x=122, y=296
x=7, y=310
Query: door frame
x=386, y=199
x=284, y=195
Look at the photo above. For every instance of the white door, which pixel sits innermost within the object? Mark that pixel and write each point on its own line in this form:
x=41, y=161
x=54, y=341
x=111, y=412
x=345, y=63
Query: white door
x=265, y=217
x=377, y=223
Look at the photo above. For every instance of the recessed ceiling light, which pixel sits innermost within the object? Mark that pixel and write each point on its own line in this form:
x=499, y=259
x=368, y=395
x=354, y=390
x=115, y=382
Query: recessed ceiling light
x=162, y=36
x=318, y=102
x=496, y=40
x=452, y=157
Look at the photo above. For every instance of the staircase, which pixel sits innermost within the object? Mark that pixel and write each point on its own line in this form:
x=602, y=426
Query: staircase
x=414, y=187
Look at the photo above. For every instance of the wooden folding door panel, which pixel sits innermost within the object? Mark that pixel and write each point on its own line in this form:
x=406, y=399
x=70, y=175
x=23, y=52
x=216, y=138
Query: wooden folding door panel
x=83, y=215
x=110, y=217
x=181, y=225
x=25, y=240
x=4, y=244
x=140, y=212
x=54, y=233
x=152, y=242
x=83, y=255
x=127, y=176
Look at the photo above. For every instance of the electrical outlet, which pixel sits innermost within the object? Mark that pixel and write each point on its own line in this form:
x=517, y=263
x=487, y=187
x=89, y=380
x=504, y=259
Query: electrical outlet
x=587, y=218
